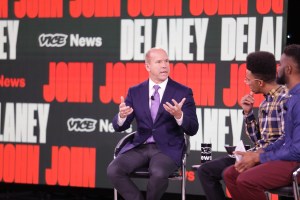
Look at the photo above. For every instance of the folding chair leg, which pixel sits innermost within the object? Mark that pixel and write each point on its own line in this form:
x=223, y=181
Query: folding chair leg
x=183, y=183
x=115, y=194
x=183, y=188
x=296, y=191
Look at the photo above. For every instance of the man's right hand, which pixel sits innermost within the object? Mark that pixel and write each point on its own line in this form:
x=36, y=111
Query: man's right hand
x=249, y=159
x=124, y=110
x=247, y=103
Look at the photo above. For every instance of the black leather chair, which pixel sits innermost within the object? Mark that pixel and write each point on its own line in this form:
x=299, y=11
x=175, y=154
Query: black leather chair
x=179, y=175
x=287, y=191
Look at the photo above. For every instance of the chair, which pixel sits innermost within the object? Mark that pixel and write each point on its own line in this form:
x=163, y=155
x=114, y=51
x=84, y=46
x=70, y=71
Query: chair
x=288, y=191
x=179, y=174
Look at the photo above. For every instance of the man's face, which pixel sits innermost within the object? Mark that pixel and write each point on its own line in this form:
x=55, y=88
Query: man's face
x=158, y=65
x=281, y=76
x=252, y=82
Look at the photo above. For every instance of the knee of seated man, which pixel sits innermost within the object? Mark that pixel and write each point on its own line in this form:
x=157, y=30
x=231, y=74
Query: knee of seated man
x=113, y=170
x=229, y=172
x=244, y=179
x=159, y=174
x=204, y=169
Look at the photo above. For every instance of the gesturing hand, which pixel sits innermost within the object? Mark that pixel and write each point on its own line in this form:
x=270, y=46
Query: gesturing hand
x=176, y=109
x=124, y=110
x=247, y=102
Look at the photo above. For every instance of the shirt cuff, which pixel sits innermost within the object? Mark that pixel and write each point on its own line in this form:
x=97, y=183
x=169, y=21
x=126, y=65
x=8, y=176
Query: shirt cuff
x=249, y=117
x=265, y=157
x=121, y=120
x=179, y=121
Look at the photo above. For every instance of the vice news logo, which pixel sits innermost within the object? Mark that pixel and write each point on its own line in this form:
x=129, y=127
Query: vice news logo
x=61, y=40
x=206, y=150
x=81, y=125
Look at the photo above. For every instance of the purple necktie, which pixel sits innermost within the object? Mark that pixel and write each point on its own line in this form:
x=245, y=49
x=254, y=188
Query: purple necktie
x=155, y=101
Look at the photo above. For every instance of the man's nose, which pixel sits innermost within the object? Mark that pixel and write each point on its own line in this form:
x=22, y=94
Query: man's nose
x=164, y=64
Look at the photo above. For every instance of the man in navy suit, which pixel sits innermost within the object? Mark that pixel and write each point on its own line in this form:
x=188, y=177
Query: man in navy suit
x=159, y=142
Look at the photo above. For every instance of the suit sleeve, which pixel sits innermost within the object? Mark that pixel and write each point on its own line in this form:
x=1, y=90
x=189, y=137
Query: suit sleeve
x=190, y=123
x=129, y=119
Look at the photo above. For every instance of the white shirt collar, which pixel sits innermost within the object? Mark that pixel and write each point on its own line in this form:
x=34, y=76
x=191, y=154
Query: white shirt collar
x=162, y=86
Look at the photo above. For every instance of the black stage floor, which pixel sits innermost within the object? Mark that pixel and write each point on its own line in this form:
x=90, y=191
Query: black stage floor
x=33, y=192
x=41, y=192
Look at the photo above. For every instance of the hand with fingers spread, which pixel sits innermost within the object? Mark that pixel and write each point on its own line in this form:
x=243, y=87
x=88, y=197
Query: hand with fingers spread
x=175, y=109
x=124, y=110
x=247, y=103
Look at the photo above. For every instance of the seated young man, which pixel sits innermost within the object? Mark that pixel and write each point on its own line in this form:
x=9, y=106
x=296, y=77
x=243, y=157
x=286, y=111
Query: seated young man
x=261, y=78
x=272, y=166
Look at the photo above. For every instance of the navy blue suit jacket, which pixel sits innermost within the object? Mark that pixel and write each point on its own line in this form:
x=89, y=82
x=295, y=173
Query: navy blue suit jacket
x=168, y=135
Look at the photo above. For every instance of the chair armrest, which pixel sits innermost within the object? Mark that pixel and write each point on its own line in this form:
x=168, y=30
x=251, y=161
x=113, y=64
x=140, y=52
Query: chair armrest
x=296, y=174
x=122, y=142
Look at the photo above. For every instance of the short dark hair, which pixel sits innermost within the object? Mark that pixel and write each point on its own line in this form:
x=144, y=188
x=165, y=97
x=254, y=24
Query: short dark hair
x=262, y=65
x=293, y=51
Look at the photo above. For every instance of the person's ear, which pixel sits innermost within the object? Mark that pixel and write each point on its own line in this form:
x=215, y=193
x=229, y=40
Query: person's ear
x=261, y=83
x=289, y=69
x=147, y=67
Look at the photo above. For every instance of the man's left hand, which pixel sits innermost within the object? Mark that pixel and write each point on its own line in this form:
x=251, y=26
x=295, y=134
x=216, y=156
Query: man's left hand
x=176, y=109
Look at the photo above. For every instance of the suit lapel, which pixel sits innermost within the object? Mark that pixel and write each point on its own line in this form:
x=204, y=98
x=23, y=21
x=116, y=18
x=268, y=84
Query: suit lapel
x=144, y=94
x=168, y=94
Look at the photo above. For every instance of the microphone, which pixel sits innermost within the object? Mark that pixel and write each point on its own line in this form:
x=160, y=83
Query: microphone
x=152, y=98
